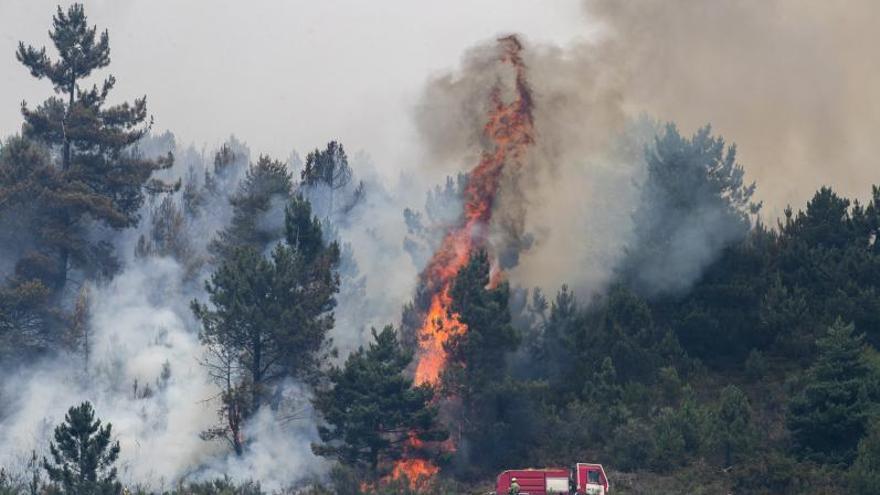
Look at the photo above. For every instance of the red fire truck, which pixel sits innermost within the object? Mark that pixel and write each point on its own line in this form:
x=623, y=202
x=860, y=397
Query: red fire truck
x=581, y=479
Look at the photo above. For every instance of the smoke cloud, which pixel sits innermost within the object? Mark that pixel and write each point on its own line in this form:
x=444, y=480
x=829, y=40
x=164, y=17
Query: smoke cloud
x=794, y=83
x=142, y=377
x=790, y=82
x=571, y=203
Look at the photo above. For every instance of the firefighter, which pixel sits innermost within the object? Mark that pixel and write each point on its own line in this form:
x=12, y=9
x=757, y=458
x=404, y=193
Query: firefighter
x=514, y=487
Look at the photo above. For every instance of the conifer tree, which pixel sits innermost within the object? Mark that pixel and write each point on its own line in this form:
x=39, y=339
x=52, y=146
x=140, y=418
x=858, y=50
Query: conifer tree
x=829, y=416
x=476, y=357
x=266, y=182
x=694, y=202
x=101, y=176
x=476, y=369
x=269, y=318
x=168, y=236
x=864, y=475
x=326, y=176
x=83, y=455
x=372, y=409
x=733, y=428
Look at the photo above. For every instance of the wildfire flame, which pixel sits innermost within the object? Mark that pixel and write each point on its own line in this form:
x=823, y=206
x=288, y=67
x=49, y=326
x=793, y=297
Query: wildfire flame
x=509, y=132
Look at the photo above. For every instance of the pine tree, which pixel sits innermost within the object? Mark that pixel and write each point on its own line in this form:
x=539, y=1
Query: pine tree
x=828, y=417
x=477, y=356
x=372, y=409
x=27, y=321
x=694, y=202
x=556, y=350
x=269, y=318
x=83, y=455
x=864, y=475
x=733, y=424
x=327, y=176
x=266, y=183
x=168, y=236
x=101, y=176
x=476, y=371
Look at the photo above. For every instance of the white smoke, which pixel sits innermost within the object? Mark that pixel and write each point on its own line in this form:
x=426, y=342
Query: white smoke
x=145, y=378
x=141, y=332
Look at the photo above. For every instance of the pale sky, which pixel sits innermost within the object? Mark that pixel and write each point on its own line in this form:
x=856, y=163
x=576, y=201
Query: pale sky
x=281, y=74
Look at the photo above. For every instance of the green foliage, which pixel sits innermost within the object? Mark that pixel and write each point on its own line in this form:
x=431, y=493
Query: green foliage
x=785, y=316
x=373, y=409
x=29, y=325
x=101, y=176
x=732, y=426
x=266, y=183
x=694, y=190
x=829, y=251
x=669, y=444
x=828, y=416
x=328, y=180
x=756, y=365
x=634, y=445
x=680, y=433
x=83, y=455
x=168, y=237
x=864, y=475
x=268, y=320
x=774, y=472
x=221, y=486
x=328, y=166
x=476, y=357
x=476, y=371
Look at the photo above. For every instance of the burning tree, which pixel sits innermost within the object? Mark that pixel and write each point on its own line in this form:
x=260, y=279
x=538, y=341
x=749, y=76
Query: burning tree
x=508, y=132
x=373, y=410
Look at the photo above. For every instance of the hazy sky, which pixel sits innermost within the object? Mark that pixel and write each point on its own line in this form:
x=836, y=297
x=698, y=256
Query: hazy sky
x=281, y=74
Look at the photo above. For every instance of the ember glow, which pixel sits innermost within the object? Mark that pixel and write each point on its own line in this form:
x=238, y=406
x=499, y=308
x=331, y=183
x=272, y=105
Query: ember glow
x=508, y=132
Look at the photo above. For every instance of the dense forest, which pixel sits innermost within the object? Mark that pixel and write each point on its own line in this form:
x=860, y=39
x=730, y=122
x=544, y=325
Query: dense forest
x=726, y=353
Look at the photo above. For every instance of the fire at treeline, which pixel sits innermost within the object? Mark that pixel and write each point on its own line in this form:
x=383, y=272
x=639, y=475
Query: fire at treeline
x=215, y=321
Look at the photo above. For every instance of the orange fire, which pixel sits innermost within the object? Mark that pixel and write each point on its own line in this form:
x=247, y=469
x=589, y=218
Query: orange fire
x=509, y=132
x=418, y=471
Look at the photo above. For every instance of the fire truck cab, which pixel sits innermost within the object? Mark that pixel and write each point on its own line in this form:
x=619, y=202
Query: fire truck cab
x=590, y=479
x=581, y=479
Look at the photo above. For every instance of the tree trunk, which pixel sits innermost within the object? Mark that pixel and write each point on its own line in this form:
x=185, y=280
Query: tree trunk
x=256, y=373
x=63, y=254
x=63, y=259
x=233, y=414
x=66, y=158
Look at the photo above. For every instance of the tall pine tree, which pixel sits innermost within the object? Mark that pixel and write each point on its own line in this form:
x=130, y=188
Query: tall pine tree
x=476, y=371
x=267, y=183
x=829, y=416
x=100, y=175
x=328, y=180
x=269, y=318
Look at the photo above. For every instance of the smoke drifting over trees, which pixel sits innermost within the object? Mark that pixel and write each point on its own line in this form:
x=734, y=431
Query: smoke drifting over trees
x=629, y=297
